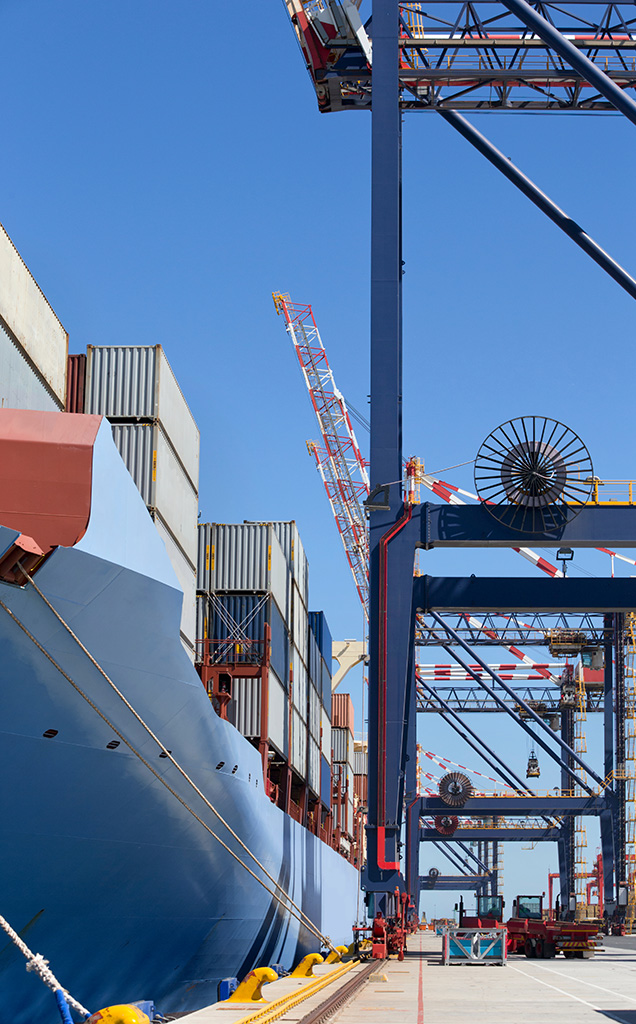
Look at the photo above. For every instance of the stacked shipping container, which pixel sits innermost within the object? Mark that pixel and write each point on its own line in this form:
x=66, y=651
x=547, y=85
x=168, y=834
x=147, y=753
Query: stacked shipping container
x=158, y=439
x=343, y=753
x=251, y=575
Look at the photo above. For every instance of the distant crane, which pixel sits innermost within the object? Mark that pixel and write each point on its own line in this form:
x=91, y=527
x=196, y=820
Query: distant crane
x=338, y=459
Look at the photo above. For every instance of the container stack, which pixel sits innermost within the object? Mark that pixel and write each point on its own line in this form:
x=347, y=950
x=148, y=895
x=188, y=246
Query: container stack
x=243, y=585
x=342, y=768
x=301, y=749
x=158, y=439
x=320, y=679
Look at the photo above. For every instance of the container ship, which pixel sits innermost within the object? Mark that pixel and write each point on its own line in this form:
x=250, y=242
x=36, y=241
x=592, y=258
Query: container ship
x=178, y=801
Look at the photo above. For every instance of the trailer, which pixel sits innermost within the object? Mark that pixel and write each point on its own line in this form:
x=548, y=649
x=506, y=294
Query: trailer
x=532, y=933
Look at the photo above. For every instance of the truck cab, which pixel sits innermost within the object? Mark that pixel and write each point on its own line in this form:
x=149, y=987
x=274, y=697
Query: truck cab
x=488, y=913
x=528, y=908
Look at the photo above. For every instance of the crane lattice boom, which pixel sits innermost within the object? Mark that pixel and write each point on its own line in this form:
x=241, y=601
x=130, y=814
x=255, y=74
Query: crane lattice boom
x=338, y=457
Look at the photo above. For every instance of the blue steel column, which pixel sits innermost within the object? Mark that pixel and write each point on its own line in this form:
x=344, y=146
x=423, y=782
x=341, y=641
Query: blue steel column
x=607, y=817
x=390, y=612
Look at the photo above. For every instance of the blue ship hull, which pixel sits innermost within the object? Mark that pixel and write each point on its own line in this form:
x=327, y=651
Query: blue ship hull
x=103, y=870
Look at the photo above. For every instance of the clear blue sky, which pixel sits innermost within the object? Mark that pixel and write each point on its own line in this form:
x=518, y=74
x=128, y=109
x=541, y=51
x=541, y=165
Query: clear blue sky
x=165, y=168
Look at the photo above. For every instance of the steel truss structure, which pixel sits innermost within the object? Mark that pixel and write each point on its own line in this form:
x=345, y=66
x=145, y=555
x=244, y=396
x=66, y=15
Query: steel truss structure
x=472, y=56
x=338, y=458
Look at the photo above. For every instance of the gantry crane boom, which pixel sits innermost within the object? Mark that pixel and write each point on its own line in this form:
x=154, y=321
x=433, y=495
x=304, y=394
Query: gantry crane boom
x=338, y=458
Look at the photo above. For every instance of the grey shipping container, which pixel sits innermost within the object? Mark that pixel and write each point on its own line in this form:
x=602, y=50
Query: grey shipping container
x=294, y=551
x=186, y=577
x=342, y=746
x=360, y=762
x=137, y=382
x=300, y=624
x=313, y=766
x=160, y=480
x=278, y=715
x=30, y=320
x=325, y=739
x=298, y=759
x=300, y=681
x=314, y=713
x=242, y=557
x=244, y=710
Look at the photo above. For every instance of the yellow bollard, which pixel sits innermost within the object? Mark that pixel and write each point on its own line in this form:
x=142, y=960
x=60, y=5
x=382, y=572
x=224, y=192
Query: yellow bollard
x=336, y=955
x=250, y=989
x=306, y=966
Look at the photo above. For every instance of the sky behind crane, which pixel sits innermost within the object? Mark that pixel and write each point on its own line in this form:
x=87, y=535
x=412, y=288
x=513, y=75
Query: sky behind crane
x=166, y=169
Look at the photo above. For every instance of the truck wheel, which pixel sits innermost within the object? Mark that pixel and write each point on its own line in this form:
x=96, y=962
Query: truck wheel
x=529, y=948
x=549, y=950
x=539, y=949
x=568, y=954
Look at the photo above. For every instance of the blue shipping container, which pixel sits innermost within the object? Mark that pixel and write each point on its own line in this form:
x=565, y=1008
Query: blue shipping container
x=326, y=688
x=236, y=628
x=321, y=631
x=325, y=782
x=315, y=659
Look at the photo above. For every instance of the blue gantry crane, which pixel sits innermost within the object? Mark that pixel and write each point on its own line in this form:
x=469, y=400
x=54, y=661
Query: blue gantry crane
x=506, y=56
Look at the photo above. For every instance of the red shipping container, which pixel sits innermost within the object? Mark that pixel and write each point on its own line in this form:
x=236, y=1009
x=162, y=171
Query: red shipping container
x=360, y=784
x=75, y=383
x=342, y=711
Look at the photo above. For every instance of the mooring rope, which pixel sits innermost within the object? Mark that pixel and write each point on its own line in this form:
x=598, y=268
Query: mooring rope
x=296, y=912
x=40, y=966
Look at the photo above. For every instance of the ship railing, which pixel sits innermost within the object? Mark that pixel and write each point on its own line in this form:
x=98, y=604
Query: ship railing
x=229, y=651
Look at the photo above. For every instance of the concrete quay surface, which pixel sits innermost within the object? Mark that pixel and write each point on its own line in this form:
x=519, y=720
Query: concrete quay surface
x=420, y=990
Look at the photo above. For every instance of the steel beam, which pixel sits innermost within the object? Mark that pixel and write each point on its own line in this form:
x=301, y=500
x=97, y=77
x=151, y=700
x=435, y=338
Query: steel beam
x=472, y=526
x=500, y=806
x=452, y=882
x=501, y=835
x=522, y=594
x=541, y=200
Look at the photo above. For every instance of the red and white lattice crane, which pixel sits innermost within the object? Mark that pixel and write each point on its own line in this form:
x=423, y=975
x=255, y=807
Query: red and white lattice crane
x=338, y=457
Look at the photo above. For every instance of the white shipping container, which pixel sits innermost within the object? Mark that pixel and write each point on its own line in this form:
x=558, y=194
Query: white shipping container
x=313, y=766
x=160, y=480
x=278, y=715
x=20, y=386
x=360, y=761
x=245, y=706
x=342, y=746
x=31, y=321
x=137, y=382
x=325, y=742
x=299, y=684
x=298, y=759
x=187, y=578
x=300, y=624
x=314, y=713
x=245, y=557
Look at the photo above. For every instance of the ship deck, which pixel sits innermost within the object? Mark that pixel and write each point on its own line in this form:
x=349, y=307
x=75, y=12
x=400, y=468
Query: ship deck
x=420, y=990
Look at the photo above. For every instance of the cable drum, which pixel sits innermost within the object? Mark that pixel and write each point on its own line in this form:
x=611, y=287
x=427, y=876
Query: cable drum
x=533, y=474
x=455, y=789
x=446, y=824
